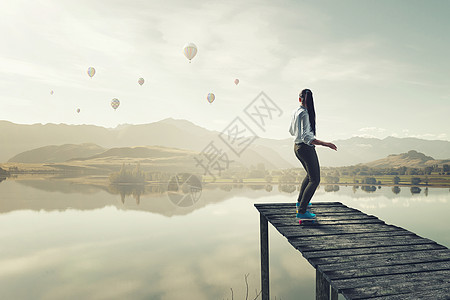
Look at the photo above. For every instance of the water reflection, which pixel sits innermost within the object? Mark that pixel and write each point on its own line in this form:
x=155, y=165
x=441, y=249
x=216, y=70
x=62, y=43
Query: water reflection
x=415, y=190
x=287, y=188
x=128, y=190
x=256, y=186
x=396, y=189
x=156, y=198
x=331, y=188
x=368, y=188
x=151, y=198
x=226, y=187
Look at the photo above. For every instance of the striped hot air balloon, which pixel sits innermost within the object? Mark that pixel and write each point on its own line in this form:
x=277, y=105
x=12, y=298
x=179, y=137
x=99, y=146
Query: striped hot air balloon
x=190, y=50
x=91, y=71
x=115, y=103
x=211, y=97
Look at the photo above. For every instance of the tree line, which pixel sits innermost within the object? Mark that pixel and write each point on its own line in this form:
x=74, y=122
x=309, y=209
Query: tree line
x=134, y=175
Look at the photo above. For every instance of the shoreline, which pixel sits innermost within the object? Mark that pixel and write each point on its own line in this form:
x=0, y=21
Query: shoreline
x=104, y=181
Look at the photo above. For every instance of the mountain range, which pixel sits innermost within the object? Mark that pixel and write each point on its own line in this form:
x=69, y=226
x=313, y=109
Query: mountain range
x=60, y=142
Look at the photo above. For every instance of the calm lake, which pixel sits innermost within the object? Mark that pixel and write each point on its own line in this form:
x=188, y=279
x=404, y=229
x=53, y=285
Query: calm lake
x=59, y=240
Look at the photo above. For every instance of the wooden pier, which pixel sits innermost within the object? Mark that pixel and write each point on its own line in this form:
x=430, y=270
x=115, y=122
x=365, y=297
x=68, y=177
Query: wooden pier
x=358, y=255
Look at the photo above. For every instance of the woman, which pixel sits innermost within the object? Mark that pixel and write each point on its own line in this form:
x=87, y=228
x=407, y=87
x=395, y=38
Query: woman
x=303, y=128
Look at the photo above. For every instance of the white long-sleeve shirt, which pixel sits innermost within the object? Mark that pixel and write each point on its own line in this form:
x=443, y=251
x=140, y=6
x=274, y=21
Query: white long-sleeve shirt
x=300, y=127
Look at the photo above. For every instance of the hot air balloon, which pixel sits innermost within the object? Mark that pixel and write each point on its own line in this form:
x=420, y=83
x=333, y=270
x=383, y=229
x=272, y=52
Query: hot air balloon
x=51, y=92
x=211, y=97
x=78, y=110
x=141, y=81
x=236, y=81
x=115, y=103
x=91, y=72
x=190, y=50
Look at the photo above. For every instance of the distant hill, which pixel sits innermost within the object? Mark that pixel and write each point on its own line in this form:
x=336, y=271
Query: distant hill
x=56, y=154
x=411, y=159
x=156, y=157
x=183, y=134
x=150, y=158
x=154, y=152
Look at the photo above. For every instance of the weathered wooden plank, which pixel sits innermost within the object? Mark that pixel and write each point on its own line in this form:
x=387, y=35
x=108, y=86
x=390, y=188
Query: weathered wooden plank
x=435, y=294
x=321, y=222
x=370, y=251
x=417, y=279
x=393, y=289
x=387, y=270
x=324, y=211
x=351, y=236
x=385, y=257
x=292, y=204
x=317, y=205
x=359, y=238
x=338, y=229
x=318, y=223
x=343, y=228
x=336, y=244
x=313, y=207
x=377, y=260
x=323, y=217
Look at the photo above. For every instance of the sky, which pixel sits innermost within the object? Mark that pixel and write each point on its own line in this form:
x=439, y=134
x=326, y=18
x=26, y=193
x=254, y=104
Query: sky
x=376, y=68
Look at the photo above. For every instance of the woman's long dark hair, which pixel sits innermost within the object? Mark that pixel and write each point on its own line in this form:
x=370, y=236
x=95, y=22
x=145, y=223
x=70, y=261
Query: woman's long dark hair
x=308, y=101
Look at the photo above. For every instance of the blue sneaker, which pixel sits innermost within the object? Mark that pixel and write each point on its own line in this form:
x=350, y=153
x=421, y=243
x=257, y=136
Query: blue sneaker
x=297, y=205
x=306, y=215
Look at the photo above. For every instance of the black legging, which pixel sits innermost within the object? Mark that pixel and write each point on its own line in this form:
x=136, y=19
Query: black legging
x=308, y=157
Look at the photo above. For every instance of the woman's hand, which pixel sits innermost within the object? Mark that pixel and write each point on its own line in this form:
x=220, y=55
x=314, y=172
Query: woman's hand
x=326, y=144
x=332, y=146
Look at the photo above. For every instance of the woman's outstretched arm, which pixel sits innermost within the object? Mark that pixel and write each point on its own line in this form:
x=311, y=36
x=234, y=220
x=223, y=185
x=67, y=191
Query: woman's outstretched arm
x=326, y=144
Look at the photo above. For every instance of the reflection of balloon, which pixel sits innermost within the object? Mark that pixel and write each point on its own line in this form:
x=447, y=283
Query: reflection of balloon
x=78, y=110
x=115, y=103
x=141, y=81
x=190, y=50
x=91, y=71
x=211, y=97
x=51, y=92
x=236, y=81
